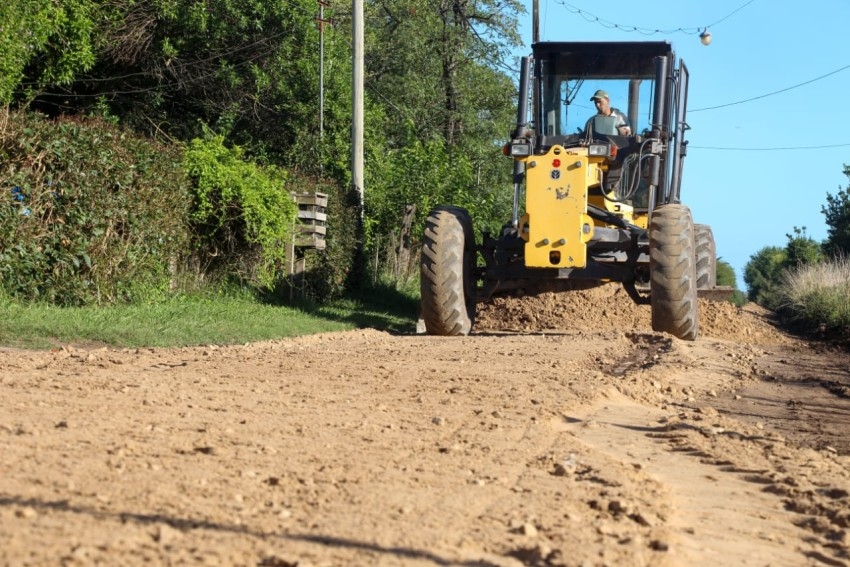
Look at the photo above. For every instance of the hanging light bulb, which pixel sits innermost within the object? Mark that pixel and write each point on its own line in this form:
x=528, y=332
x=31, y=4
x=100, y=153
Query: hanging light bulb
x=705, y=37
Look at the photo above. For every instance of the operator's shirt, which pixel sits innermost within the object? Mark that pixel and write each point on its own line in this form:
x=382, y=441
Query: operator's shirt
x=605, y=125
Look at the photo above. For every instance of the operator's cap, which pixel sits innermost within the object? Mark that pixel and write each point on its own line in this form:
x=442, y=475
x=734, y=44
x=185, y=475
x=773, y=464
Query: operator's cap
x=599, y=94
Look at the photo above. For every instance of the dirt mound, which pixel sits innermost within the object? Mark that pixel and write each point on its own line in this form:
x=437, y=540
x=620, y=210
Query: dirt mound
x=608, y=307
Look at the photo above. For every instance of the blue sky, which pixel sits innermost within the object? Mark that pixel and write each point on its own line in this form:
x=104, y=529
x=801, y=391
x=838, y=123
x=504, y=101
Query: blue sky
x=751, y=199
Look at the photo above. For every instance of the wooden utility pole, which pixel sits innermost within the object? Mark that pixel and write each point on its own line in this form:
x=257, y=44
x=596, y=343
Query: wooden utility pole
x=357, y=101
x=535, y=25
x=321, y=21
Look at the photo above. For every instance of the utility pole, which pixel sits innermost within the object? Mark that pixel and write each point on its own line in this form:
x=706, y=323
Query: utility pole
x=357, y=101
x=321, y=21
x=535, y=25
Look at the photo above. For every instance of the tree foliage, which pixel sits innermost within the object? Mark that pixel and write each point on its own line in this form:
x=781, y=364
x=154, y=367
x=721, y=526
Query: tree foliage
x=438, y=99
x=43, y=42
x=801, y=249
x=766, y=269
x=762, y=274
x=437, y=70
x=837, y=214
x=726, y=274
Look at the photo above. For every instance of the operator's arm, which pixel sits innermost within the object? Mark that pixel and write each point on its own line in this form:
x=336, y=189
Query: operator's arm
x=623, y=123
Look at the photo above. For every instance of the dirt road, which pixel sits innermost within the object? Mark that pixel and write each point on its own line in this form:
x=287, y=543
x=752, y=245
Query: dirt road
x=556, y=434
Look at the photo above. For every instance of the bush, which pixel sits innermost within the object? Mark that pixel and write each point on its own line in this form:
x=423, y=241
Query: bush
x=242, y=213
x=89, y=213
x=818, y=296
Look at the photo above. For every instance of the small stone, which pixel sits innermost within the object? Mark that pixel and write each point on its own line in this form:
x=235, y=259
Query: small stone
x=26, y=513
x=617, y=507
x=561, y=470
x=529, y=530
x=644, y=520
x=165, y=535
x=438, y=421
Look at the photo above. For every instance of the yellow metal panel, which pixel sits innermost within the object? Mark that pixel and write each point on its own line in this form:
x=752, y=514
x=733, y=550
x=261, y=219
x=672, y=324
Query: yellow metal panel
x=556, y=207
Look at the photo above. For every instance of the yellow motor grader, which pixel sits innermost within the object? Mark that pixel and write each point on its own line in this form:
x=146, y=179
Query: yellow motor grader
x=594, y=201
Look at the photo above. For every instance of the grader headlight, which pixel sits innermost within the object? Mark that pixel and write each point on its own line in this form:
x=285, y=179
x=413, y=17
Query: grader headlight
x=520, y=149
x=599, y=150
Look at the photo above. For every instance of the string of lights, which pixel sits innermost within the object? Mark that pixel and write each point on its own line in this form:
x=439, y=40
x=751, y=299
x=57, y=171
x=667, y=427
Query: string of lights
x=592, y=18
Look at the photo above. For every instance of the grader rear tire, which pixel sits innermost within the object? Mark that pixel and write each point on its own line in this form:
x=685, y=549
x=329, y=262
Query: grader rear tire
x=706, y=253
x=672, y=272
x=447, y=270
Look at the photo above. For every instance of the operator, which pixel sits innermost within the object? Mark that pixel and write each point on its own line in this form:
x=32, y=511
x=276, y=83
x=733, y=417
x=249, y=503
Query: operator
x=607, y=120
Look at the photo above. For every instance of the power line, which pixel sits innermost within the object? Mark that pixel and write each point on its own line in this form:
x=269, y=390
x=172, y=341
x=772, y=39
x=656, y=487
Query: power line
x=769, y=149
x=730, y=14
x=592, y=18
x=771, y=93
x=160, y=86
x=187, y=64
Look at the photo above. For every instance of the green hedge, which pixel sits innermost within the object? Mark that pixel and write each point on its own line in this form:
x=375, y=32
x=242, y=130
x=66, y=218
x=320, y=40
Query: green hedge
x=89, y=213
x=92, y=214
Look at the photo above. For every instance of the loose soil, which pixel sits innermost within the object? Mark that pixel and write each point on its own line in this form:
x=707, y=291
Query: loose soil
x=563, y=431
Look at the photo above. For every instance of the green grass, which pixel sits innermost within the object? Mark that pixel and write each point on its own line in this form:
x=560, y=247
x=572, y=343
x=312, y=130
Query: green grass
x=226, y=318
x=818, y=296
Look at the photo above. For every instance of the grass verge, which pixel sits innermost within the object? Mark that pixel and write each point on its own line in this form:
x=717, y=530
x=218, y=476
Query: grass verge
x=226, y=318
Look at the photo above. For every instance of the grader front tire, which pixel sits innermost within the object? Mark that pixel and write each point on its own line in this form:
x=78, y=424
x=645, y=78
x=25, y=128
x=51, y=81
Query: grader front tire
x=672, y=267
x=447, y=270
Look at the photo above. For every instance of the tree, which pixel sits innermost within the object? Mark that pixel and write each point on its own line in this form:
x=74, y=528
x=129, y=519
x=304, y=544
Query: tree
x=45, y=42
x=837, y=213
x=435, y=71
x=801, y=249
x=762, y=273
x=726, y=274
x=726, y=277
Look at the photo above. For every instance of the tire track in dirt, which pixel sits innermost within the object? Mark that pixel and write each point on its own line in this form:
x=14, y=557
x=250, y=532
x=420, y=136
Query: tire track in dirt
x=716, y=518
x=739, y=494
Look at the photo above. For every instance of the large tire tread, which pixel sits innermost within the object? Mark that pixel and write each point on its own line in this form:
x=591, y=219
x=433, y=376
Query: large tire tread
x=673, y=281
x=447, y=267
